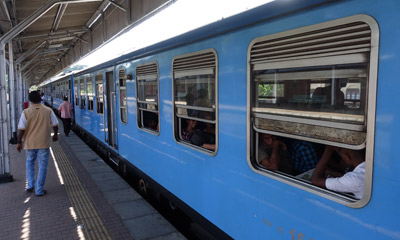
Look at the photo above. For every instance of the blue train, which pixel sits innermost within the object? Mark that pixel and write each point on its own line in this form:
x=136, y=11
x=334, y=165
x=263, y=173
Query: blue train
x=189, y=115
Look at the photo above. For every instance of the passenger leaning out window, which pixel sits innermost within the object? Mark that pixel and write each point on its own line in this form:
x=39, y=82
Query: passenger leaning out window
x=350, y=182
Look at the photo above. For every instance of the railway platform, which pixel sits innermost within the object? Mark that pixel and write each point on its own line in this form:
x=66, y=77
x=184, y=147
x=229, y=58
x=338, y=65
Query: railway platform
x=85, y=199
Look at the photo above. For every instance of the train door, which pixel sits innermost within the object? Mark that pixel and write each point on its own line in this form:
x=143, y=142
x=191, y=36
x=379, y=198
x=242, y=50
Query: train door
x=111, y=106
x=69, y=91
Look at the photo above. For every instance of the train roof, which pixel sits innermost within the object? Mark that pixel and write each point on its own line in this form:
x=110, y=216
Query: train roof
x=259, y=14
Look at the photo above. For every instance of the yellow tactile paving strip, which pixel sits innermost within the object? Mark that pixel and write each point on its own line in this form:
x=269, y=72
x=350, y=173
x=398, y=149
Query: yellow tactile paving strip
x=88, y=220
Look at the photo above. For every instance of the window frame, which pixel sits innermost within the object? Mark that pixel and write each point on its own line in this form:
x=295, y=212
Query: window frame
x=96, y=93
x=125, y=78
x=82, y=96
x=370, y=114
x=90, y=103
x=177, y=119
x=157, y=103
x=76, y=91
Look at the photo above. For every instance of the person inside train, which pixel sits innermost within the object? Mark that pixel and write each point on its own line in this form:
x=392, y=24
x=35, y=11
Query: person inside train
x=201, y=98
x=189, y=98
x=150, y=120
x=195, y=136
x=350, y=182
x=209, y=129
x=303, y=155
x=323, y=95
x=273, y=154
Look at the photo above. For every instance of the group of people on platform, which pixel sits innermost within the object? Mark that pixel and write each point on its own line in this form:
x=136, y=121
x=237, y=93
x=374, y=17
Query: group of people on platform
x=334, y=168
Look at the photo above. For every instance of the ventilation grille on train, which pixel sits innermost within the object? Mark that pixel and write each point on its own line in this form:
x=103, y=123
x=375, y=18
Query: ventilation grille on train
x=338, y=40
x=150, y=69
x=199, y=61
x=121, y=74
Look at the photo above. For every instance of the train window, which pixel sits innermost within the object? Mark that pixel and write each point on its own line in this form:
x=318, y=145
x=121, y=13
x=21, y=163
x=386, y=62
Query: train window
x=76, y=92
x=61, y=90
x=56, y=90
x=82, y=93
x=122, y=96
x=313, y=86
x=64, y=91
x=99, y=93
x=147, y=96
x=69, y=91
x=315, y=94
x=89, y=90
x=195, y=100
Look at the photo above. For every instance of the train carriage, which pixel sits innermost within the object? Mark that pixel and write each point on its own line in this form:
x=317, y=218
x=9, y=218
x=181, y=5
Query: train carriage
x=320, y=72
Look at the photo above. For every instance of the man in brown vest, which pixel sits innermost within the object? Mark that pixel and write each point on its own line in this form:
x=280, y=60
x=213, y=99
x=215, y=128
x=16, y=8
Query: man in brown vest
x=35, y=127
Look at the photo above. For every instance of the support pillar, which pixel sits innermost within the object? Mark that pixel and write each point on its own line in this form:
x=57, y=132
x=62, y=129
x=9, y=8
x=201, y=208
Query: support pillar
x=5, y=175
x=20, y=93
x=12, y=91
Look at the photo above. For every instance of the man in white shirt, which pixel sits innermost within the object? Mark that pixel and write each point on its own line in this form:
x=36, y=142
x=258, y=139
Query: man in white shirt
x=351, y=182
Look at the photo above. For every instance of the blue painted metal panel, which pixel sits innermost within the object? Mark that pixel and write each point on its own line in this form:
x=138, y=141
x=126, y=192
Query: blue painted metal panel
x=223, y=188
x=57, y=102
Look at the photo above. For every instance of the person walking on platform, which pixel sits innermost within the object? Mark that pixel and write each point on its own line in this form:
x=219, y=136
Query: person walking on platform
x=66, y=112
x=35, y=127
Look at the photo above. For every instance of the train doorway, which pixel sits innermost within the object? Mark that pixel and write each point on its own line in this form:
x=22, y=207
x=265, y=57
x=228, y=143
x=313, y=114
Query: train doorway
x=111, y=105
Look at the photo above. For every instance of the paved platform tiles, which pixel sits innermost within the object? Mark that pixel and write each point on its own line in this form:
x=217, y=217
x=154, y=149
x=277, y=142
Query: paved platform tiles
x=86, y=199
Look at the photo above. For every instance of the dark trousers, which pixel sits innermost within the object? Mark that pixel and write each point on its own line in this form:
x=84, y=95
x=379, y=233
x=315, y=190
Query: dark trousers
x=67, y=125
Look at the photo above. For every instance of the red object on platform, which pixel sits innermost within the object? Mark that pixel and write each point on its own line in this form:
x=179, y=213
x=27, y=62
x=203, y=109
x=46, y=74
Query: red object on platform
x=26, y=105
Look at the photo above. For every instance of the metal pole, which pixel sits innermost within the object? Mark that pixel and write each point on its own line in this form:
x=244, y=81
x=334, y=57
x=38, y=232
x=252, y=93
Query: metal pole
x=5, y=175
x=35, y=16
x=26, y=91
x=11, y=83
x=30, y=51
x=20, y=93
x=6, y=38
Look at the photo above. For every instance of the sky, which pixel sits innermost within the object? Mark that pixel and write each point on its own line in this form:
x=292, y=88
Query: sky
x=196, y=13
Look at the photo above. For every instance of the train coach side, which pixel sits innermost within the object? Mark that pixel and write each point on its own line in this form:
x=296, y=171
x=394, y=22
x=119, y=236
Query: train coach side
x=146, y=104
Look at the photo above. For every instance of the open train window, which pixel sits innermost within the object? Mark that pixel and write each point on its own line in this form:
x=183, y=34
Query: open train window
x=313, y=87
x=89, y=90
x=99, y=93
x=147, y=96
x=195, y=100
x=82, y=92
x=76, y=93
x=122, y=96
x=56, y=90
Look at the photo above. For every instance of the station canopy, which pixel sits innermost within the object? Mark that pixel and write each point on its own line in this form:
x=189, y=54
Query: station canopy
x=67, y=31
